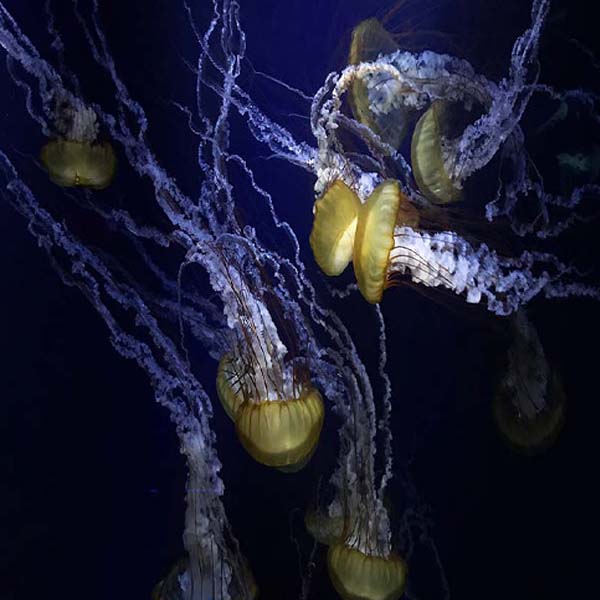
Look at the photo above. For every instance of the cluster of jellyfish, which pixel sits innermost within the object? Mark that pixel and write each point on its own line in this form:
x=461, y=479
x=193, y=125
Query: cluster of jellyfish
x=284, y=359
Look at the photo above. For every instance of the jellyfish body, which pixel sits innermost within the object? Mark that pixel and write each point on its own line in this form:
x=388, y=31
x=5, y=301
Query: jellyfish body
x=529, y=404
x=334, y=227
x=378, y=217
x=359, y=576
x=76, y=158
x=281, y=431
x=376, y=100
x=427, y=157
x=72, y=163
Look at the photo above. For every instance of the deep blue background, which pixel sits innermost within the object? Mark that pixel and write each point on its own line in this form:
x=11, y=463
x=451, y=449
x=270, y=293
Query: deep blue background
x=91, y=479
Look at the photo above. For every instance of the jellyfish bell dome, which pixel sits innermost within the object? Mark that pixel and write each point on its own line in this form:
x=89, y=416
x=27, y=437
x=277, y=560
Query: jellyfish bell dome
x=76, y=158
x=360, y=576
x=334, y=227
x=72, y=163
x=427, y=156
x=284, y=432
x=280, y=430
x=385, y=209
x=376, y=99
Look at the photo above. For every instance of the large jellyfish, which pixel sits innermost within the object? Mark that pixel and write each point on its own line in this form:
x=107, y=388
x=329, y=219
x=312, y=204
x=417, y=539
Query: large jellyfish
x=278, y=414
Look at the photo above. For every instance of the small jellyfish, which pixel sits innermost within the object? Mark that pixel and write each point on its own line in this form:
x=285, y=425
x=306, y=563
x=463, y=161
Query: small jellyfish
x=361, y=561
x=278, y=416
x=377, y=100
x=427, y=156
x=529, y=404
x=355, y=526
x=76, y=158
x=356, y=574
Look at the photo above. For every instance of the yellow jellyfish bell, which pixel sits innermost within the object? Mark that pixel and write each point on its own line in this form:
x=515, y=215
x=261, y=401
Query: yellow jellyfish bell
x=73, y=163
x=359, y=576
x=369, y=41
x=428, y=160
x=334, y=226
x=384, y=209
x=282, y=432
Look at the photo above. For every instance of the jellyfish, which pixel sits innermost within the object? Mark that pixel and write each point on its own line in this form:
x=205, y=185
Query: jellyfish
x=355, y=526
x=356, y=573
x=427, y=156
x=375, y=99
x=278, y=413
x=334, y=228
x=76, y=158
x=529, y=402
x=358, y=565
x=361, y=560
x=279, y=430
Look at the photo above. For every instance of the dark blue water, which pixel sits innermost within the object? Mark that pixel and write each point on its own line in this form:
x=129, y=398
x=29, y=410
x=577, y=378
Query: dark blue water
x=91, y=481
